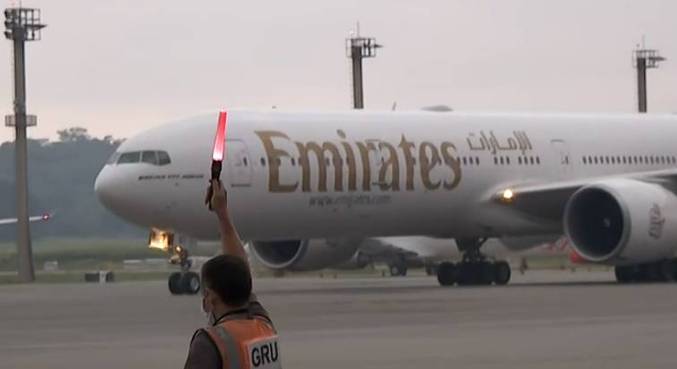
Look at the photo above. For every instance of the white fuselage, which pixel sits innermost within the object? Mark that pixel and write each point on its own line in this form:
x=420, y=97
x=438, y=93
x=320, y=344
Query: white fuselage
x=377, y=173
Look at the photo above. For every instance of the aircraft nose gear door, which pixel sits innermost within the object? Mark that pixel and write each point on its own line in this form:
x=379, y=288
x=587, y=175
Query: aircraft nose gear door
x=239, y=164
x=563, y=158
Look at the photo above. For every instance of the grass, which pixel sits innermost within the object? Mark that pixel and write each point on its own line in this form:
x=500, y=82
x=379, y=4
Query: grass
x=84, y=253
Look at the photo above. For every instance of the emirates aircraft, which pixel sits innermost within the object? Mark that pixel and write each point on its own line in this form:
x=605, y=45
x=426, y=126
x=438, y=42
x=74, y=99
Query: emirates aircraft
x=307, y=187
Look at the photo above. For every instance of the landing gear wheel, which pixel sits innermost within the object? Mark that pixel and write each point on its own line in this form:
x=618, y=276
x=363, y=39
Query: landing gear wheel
x=175, y=283
x=669, y=270
x=624, y=274
x=431, y=269
x=502, y=273
x=486, y=274
x=447, y=274
x=397, y=269
x=190, y=283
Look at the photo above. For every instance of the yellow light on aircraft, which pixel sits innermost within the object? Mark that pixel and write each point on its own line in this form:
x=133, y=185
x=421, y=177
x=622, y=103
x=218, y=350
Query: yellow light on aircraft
x=159, y=240
x=507, y=195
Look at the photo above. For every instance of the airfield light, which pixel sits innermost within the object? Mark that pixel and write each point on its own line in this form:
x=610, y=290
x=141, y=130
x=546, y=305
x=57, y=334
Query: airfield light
x=21, y=25
x=358, y=48
x=644, y=59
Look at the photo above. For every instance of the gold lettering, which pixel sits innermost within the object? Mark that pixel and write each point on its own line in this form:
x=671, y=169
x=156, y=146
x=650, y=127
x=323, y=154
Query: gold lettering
x=322, y=165
x=392, y=164
x=450, y=159
x=274, y=156
x=350, y=161
x=428, y=164
x=406, y=147
x=366, y=163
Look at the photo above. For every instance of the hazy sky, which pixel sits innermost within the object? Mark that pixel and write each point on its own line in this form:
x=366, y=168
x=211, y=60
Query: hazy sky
x=118, y=67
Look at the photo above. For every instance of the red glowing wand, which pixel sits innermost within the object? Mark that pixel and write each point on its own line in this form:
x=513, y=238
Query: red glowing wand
x=218, y=153
x=219, y=146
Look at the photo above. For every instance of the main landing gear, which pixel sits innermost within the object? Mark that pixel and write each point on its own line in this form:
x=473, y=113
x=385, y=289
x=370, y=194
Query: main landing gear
x=475, y=268
x=659, y=271
x=398, y=267
x=184, y=282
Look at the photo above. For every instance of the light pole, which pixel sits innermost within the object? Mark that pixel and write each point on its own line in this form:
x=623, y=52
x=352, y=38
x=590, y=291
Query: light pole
x=21, y=25
x=644, y=59
x=358, y=48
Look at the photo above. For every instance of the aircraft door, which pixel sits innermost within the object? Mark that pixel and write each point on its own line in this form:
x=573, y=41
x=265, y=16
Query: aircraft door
x=563, y=156
x=239, y=164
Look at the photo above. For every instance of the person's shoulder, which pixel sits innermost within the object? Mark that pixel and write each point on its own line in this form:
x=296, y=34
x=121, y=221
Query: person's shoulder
x=203, y=352
x=257, y=309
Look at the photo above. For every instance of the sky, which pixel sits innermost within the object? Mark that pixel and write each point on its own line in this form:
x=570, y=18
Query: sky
x=121, y=66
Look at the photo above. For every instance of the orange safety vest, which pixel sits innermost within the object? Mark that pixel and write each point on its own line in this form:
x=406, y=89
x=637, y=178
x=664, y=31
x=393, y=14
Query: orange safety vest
x=246, y=343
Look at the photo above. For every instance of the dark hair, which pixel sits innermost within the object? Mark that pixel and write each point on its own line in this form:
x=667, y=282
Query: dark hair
x=229, y=277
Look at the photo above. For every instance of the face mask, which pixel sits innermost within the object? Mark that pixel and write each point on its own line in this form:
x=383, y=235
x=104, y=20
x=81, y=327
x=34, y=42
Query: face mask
x=209, y=316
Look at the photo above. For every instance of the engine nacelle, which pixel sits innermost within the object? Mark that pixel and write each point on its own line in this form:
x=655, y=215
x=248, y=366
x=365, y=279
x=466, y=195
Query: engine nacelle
x=622, y=221
x=300, y=255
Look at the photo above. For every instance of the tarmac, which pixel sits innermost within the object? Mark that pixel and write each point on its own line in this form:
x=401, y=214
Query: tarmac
x=544, y=319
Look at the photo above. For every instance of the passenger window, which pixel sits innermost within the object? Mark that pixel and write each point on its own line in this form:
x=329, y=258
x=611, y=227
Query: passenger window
x=477, y=161
x=465, y=161
x=531, y=160
x=495, y=160
x=163, y=158
x=245, y=162
x=263, y=162
x=519, y=160
x=293, y=162
x=538, y=160
x=130, y=157
x=149, y=157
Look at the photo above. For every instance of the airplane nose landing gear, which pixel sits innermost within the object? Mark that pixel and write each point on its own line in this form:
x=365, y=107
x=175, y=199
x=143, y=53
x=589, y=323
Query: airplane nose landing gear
x=475, y=268
x=185, y=281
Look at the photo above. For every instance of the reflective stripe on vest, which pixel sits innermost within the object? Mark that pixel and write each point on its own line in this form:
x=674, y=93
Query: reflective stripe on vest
x=233, y=338
x=232, y=357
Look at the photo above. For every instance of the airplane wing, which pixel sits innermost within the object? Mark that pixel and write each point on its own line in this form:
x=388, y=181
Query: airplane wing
x=547, y=201
x=36, y=218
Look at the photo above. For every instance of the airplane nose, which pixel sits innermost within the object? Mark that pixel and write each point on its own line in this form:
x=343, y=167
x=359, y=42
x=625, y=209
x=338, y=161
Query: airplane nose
x=104, y=188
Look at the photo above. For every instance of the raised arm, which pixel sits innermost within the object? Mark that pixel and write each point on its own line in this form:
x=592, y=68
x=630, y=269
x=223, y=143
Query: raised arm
x=230, y=240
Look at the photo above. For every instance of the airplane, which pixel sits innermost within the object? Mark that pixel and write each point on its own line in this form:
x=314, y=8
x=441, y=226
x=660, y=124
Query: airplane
x=36, y=218
x=405, y=252
x=310, y=186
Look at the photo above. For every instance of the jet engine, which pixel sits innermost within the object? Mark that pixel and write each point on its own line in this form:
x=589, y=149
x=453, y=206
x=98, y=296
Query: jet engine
x=622, y=221
x=314, y=254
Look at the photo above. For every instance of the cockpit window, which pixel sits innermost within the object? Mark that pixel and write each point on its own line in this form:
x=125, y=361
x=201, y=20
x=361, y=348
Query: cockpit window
x=149, y=157
x=113, y=158
x=163, y=158
x=130, y=157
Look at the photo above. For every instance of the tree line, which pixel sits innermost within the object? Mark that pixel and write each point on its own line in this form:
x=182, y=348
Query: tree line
x=61, y=178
